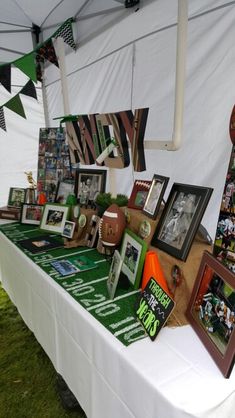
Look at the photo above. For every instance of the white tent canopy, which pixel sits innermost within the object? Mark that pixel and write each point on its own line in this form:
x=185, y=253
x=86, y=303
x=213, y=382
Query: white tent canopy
x=125, y=59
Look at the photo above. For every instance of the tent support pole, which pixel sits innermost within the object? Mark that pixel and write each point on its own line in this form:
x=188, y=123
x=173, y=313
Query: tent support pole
x=59, y=43
x=181, y=51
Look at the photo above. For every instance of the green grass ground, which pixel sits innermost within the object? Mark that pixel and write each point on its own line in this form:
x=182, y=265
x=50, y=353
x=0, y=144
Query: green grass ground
x=27, y=377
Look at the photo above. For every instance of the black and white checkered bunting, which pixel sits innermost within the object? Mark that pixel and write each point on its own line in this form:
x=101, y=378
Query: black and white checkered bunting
x=2, y=120
x=66, y=32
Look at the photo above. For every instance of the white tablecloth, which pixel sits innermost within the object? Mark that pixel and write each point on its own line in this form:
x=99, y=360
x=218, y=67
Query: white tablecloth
x=172, y=377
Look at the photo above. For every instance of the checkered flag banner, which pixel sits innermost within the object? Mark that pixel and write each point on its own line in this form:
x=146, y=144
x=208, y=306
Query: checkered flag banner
x=66, y=32
x=2, y=120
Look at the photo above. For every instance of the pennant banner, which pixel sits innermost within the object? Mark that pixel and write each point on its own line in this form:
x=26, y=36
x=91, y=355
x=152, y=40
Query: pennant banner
x=16, y=106
x=2, y=119
x=27, y=66
x=5, y=76
x=47, y=51
x=66, y=32
x=29, y=90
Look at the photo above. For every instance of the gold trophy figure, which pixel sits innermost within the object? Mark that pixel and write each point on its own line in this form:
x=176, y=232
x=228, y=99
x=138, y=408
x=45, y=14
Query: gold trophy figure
x=31, y=195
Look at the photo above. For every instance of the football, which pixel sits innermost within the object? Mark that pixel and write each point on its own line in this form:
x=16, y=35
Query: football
x=112, y=225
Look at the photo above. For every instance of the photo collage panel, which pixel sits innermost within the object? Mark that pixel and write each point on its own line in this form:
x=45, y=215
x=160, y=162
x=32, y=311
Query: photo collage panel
x=224, y=248
x=53, y=162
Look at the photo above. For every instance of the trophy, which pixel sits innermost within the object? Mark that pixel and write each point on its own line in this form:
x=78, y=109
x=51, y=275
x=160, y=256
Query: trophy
x=31, y=190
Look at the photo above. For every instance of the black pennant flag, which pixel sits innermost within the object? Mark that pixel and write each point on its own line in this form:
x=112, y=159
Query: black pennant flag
x=47, y=52
x=29, y=90
x=5, y=76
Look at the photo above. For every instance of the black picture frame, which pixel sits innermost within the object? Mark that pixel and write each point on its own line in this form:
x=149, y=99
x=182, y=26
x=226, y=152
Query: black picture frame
x=155, y=196
x=181, y=218
x=211, y=311
x=87, y=193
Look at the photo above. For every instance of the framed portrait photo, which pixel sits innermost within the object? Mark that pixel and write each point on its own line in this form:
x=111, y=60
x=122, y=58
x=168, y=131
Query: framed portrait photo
x=211, y=311
x=180, y=219
x=155, y=195
x=16, y=197
x=54, y=217
x=88, y=184
x=114, y=274
x=64, y=189
x=68, y=229
x=31, y=214
x=133, y=252
x=139, y=194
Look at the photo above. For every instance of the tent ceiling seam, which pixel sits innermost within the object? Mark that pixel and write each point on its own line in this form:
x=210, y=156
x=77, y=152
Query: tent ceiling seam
x=89, y=16
x=51, y=11
x=12, y=50
x=15, y=24
x=81, y=8
x=22, y=10
x=231, y=3
x=15, y=31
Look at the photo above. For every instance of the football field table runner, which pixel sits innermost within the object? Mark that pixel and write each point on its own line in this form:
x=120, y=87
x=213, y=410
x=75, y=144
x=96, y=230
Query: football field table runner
x=89, y=288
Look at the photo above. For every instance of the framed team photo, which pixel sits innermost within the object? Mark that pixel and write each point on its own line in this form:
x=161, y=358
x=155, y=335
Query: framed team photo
x=211, y=311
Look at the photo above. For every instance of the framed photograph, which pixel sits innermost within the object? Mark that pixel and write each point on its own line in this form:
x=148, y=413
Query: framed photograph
x=54, y=217
x=133, y=252
x=180, y=219
x=114, y=274
x=31, y=214
x=211, y=311
x=16, y=197
x=139, y=194
x=68, y=229
x=155, y=196
x=89, y=183
x=64, y=189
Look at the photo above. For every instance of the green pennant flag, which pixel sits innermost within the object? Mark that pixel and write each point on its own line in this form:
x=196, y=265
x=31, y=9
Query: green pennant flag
x=16, y=106
x=27, y=65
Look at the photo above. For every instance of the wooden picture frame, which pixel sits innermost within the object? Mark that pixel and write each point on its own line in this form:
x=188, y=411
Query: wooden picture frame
x=155, y=196
x=31, y=213
x=211, y=311
x=64, y=189
x=133, y=250
x=16, y=197
x=139, y=194
x=85, y=192
x=54, y=217
x=180, y=219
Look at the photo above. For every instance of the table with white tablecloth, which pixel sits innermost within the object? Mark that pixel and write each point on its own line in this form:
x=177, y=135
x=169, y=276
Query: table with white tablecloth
x=172, y=377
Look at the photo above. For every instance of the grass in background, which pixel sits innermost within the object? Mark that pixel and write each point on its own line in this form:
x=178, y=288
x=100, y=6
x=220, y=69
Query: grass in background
x=27, y=377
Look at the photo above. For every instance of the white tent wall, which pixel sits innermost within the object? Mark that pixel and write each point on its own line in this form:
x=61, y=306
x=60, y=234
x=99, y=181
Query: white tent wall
x=19, y=145
x=132, y=65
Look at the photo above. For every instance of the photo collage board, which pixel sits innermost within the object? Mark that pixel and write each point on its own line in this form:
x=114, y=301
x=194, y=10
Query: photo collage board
x=224, y=248
x=54, y=164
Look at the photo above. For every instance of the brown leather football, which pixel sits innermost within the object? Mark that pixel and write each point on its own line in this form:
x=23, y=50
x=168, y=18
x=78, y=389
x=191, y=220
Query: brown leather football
x=112, y=225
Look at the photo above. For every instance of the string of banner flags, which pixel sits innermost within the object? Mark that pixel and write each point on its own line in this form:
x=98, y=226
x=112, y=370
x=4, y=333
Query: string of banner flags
x=31, y=65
